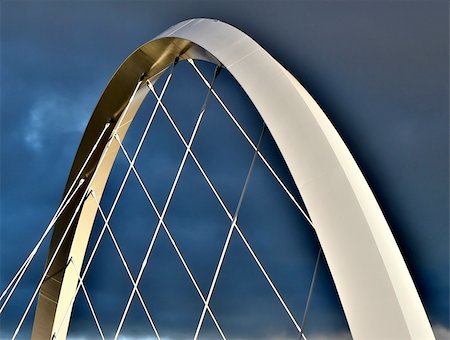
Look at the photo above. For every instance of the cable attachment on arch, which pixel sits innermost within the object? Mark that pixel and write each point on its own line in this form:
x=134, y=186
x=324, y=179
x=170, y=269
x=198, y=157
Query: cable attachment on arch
x=217, y=71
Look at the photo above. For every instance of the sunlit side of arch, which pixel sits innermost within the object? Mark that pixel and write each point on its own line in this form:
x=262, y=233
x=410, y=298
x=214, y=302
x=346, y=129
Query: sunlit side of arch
x=375, y=288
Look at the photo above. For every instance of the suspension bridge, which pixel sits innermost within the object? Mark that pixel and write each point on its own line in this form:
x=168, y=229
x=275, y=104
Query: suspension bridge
x=366, y=266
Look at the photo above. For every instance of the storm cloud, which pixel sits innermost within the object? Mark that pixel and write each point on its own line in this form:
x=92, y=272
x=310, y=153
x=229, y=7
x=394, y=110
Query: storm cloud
x=378, y=69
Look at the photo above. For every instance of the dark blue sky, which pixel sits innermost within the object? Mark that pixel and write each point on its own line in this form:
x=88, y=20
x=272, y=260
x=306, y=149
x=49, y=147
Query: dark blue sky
x=378, y=69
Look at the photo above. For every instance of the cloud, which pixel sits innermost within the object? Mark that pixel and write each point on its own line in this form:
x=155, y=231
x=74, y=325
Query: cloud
x=371, y=93
x=54, y=116
x=330, y=336
x=441, y=332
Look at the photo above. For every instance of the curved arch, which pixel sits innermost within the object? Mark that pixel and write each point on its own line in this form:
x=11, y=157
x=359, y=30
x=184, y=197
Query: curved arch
x=377, y=293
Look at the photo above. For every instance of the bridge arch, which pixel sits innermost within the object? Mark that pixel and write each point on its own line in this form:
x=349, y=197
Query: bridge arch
x=377, y=293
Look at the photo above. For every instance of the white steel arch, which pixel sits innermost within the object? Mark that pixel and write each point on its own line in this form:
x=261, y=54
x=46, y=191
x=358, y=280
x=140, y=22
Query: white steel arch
x=377, y=293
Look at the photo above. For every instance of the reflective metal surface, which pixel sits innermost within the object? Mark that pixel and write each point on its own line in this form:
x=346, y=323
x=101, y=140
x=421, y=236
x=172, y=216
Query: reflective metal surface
x=375, y=288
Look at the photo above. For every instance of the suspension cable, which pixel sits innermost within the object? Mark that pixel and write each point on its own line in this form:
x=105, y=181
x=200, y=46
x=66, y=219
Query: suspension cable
x=172, y=240
x=166, y=206
x=64, y=203
x=272, y=171
x=311, y=288
x=83, y=198
x=16, y=279
x=257, y=152
x=91, y=307
x=161, y=222
x=221, y=201
x=227, y=241
x=41, y=281
x=125, y=264
x=122, y=185
x=238, y=229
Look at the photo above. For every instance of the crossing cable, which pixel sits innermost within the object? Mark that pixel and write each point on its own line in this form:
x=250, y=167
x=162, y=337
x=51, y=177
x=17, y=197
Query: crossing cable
x=238, y=229
x=311, y=288
x=119, y=192
x=125, y=264
x=83, y=198
x=48, y=268
x=64, y=203
x=91, y=307
x=16, y=279
x=272, y=171
x=230, y=233
x=172, y=240
x=166, y=205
